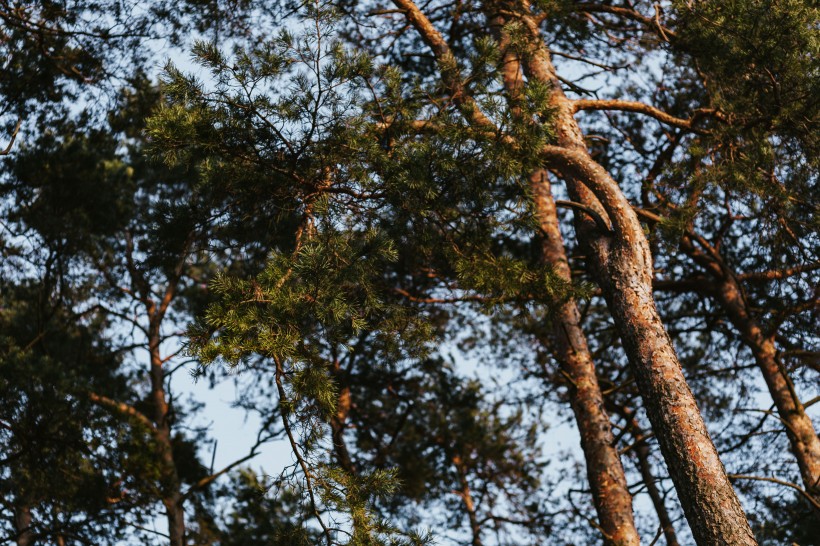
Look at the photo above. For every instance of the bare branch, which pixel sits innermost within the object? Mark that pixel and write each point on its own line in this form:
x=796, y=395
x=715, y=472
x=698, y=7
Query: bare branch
x=207, y=480
x=777, y=274
x=7, y=150
x=642, y=108
x=599, y=221
x=123, y=409
x=651, y=23
x=794, y=486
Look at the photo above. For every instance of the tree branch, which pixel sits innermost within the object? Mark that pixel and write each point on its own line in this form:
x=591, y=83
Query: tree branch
x=651, y=23
x=7, y=150
x=794, y=486
x=777, y=274
x=123, y=409
x=646, y=109
x=599, y=221
x=447, y=63
x=204, y=482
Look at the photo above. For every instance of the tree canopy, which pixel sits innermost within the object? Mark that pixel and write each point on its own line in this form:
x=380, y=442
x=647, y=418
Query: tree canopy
x=490, y=273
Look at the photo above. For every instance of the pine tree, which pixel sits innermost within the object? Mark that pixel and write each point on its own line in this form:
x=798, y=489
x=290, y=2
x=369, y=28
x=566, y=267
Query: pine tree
x=605, y=207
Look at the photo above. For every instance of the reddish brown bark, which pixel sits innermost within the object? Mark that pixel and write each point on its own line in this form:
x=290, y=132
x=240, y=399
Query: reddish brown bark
x=172, y=498
x=605, y=473
x=613, y=502
x=729, y=294
x=622, y=265
x=803, y=439
x=170, y=486
x=708, y=500
x=467, y=498
x=338, y=421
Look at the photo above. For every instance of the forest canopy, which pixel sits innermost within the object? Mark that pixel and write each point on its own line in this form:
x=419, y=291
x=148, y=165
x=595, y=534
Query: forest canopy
x=482, y=273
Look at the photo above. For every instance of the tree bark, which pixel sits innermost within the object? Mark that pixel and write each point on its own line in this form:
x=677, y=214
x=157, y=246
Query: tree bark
x=338, y=421
x=22, y=525
x=622, y=265
x=613, y=502
x=172, y=498
x=605, y=472
x=707, y=497
x=467, y=498
x=170, y=486
x=803, y=439
x=729, y=294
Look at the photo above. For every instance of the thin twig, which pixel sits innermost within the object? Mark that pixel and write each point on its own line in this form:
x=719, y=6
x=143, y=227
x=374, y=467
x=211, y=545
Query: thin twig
x=794, y=486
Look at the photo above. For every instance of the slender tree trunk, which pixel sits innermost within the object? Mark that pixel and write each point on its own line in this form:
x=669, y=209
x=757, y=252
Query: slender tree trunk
x=467, y=498
x=622, y=265
x=642, y=453
x=605, y=473
x=22, y=525
x=339, y=420
x=803, y=439
x=172, y=496
x=613, y=502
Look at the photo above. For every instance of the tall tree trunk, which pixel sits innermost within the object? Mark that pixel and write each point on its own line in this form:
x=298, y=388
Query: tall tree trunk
x=605, y=473
x=622, y=265
x=613, y=502
x=803, y=439
x=22, y=525
x=338, y=421
x=172, y=498
x=467, y=498
x=728, y=292
x=707, y=497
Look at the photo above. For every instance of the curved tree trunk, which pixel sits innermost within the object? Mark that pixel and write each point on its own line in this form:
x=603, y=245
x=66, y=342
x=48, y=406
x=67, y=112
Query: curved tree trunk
x=605, y=472
x=622, y=265
x=613, y=502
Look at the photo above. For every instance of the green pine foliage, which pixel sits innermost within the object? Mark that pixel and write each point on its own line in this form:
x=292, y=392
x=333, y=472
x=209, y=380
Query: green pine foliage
x=330, y=229
x=263, y=514
x=52, y=362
